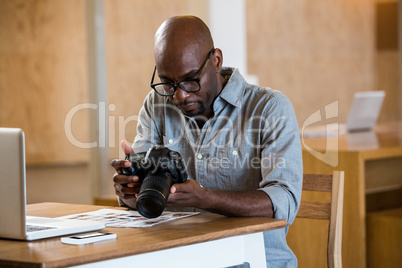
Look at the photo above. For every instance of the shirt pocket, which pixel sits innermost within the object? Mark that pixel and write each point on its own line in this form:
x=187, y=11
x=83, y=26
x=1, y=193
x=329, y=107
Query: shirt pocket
x=229, y=170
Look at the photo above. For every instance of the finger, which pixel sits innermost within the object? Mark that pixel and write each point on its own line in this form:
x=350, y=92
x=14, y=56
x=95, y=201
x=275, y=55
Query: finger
x=125, y=192
x=123, y=179
x=177, y=200
x=136, y=184
x=173, y=189
x=118, y=164
x=126, y=147
x=129, y=191
x=179, y=188
x=177, y=197
x=185, y=187
x=126, y=196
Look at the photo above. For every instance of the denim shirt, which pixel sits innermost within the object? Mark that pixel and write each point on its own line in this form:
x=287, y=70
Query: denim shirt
x=251, y=142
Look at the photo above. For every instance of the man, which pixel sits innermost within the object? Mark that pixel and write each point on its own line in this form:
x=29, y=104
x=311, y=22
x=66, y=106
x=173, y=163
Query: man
x=240, y=142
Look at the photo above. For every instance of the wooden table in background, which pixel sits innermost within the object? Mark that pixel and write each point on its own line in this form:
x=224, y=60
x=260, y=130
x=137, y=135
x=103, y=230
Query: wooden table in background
x=206, y=240
x=372, y=162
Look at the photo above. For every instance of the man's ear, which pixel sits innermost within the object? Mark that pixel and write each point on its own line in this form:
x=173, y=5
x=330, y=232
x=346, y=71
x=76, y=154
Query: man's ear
x=217, y=59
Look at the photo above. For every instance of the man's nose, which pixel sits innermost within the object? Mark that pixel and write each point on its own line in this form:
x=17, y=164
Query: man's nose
x=180, y=95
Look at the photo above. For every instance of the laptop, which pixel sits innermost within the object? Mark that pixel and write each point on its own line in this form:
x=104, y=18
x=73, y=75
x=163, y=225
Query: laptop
x=366, y=107
x=14, y=223
x=362, y=117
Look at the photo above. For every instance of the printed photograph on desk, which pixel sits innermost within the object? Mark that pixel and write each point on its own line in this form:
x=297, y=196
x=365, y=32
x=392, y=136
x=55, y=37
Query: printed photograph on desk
x=127, y=218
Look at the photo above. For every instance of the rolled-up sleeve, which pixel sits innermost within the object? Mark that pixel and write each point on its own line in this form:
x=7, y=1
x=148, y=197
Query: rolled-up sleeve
x=282, y=181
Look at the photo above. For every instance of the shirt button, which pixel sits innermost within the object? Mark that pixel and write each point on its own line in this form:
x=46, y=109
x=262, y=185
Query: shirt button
x=199, y=156
x=234, y=152
x=170, y=141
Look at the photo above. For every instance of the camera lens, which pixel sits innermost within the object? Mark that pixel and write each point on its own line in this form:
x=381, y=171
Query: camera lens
x=153, y=195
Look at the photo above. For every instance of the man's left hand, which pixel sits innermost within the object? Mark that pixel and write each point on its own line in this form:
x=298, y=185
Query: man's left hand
x=186, y=194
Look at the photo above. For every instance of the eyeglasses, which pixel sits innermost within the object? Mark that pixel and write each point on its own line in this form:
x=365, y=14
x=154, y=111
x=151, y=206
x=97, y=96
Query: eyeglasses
x=188, y=85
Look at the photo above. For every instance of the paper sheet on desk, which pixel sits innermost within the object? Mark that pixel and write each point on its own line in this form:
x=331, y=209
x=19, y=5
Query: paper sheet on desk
x=127, y=218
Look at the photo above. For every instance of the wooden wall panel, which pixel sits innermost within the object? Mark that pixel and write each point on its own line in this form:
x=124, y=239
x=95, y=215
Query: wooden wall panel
x=387, y=58
x=316, y=52
x=387, y=79
x=43, y=75
x=130, y=29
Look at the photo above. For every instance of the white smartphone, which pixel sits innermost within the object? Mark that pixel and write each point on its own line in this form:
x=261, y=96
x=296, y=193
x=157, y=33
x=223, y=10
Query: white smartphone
x=88, y=238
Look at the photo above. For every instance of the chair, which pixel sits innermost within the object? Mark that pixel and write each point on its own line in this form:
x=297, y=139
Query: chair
x=326, y=211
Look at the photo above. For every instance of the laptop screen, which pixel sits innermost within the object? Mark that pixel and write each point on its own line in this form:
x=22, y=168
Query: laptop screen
x=12, y=179
x=365, y=110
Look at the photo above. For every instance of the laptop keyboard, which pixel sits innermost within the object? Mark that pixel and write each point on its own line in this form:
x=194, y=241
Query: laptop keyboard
x=33, y=228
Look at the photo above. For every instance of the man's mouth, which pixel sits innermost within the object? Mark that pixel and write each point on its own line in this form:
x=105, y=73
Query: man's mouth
x=187, y=106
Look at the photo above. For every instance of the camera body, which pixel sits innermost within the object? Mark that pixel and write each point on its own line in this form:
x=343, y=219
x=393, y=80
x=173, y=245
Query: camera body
x=158, y=169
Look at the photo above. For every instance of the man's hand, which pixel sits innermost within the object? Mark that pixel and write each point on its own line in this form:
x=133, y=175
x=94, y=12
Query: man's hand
x=186, y=194
x=126, y=187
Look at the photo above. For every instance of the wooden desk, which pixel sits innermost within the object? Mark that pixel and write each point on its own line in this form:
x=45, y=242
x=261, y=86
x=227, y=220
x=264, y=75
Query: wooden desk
x=372, y=162
x=204, y=240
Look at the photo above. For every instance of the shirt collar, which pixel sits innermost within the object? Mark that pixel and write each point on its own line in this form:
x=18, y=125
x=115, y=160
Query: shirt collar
x=233, y=91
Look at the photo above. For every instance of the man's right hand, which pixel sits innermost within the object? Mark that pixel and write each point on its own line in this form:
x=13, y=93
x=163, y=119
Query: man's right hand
x=126, y=187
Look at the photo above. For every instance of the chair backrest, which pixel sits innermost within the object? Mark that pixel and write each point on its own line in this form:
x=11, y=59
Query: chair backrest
x=326, y=211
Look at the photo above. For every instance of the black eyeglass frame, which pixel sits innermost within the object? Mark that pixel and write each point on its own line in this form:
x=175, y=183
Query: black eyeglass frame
x=178, y=84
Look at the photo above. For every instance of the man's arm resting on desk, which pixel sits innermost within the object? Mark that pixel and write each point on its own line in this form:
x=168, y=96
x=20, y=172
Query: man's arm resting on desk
x=245, y=203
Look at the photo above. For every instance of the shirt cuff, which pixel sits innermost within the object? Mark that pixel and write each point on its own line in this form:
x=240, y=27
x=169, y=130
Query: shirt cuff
x=280, y=202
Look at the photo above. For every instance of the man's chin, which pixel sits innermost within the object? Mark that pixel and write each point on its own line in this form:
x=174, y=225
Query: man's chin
x=192, y=112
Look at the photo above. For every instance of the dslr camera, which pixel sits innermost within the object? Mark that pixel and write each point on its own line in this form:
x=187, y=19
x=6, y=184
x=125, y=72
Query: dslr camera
x=158, y=169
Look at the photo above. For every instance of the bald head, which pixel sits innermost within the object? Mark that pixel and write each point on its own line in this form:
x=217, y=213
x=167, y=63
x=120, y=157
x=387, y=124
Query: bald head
x=181, y=35
x=184, y=52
